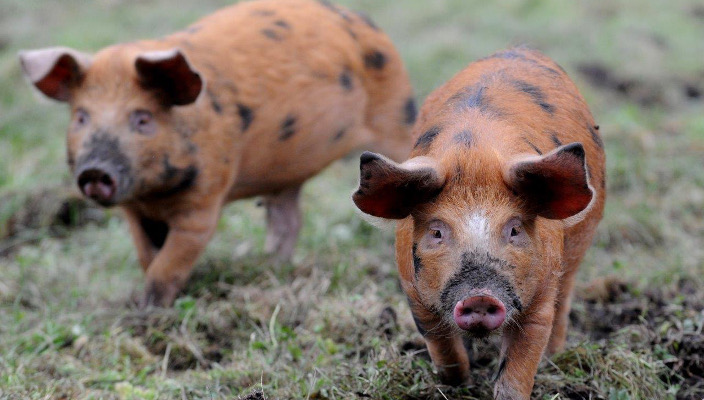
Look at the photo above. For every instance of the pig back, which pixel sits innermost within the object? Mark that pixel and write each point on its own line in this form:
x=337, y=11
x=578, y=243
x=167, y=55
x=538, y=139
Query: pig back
x=291, y=86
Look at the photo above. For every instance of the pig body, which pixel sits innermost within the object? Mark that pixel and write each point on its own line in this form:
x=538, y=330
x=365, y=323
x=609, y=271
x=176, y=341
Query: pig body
x=251, y=100
x=497, y=204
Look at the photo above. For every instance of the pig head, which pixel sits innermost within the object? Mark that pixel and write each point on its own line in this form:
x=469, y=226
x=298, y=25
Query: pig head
x=112, y=150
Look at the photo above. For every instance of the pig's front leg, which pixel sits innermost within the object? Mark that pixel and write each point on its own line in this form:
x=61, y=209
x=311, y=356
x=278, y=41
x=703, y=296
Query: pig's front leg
x=147, y=235
x=450, y=358
x=188, y=235
x=522, y=349
x=283, y=223
x=445, y=347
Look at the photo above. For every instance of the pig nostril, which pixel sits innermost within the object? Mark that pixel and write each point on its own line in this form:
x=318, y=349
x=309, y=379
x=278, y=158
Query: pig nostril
x=105, y=179
x=492, y=310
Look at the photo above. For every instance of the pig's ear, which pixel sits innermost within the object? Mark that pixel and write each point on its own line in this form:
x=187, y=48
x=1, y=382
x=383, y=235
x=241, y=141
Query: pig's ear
x=554, y=186
x=169, y=73
x=391, y=190
x=55, y=70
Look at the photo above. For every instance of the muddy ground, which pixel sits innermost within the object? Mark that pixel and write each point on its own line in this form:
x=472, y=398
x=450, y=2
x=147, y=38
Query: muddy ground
x=662, y=325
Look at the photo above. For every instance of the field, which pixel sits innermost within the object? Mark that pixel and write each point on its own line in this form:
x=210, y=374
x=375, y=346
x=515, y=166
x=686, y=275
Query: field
x=333, y=324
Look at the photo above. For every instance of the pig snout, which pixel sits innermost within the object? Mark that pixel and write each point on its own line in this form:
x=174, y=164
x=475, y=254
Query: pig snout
x=98, y=184
x=479, y=314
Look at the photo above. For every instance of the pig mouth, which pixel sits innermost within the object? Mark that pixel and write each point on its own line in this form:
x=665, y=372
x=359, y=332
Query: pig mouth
x=478, y=300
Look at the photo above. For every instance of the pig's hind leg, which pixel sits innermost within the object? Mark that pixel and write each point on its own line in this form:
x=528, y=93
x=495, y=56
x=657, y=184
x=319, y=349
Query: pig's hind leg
x=283, y=223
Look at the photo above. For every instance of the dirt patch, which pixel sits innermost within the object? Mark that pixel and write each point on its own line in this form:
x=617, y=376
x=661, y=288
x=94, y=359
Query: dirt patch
x=27, y=217
x=256, y=395
x=645, y=93
x=612, y=323
x=600, y=76
x=184, y=338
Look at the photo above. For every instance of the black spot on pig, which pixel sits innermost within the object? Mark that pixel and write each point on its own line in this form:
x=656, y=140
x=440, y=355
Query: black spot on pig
x=426, y=139
x=287, y=128
x=595, y=135
x=474, y=97
x=271, y=34
x=351, y=32
x=375, y=60
x=283, y=24
x=534, y=147
x=555, y=139
x=464, y=138
x=175, y=180
x=345, y=79
x=410, y=111
x=471, y=96
x=536, y=95
x=246, y=115
x=339, y=134
x=214, y=102
x=417, y=263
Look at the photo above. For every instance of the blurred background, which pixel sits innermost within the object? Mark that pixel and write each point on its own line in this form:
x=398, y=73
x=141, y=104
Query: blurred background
x=334, y=324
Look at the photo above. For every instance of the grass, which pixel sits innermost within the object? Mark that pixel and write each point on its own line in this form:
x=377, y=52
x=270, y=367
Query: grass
x=334, y=324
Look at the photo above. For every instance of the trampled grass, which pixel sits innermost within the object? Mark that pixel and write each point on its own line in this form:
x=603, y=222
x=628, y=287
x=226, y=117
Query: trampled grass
x=334, y=324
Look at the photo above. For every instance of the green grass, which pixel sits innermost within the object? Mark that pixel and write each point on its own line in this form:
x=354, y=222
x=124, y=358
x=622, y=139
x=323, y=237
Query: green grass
x=320, y=326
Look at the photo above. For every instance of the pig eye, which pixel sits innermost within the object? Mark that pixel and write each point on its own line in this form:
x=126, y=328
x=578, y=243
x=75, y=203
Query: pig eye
x=514, y=232
x=80, y=118
x=142, y=121
x=437, y=233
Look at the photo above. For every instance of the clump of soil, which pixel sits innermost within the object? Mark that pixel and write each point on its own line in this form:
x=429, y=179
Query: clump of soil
x=665, y=320
x=27, y=217
x=185, y=339
x=645, y=93
x=255, y=395
x=614, y=327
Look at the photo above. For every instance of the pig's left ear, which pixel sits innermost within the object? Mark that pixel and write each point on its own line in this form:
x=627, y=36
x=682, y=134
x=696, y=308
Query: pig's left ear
x=171, y=75
x=553, y=186
x=393, y=191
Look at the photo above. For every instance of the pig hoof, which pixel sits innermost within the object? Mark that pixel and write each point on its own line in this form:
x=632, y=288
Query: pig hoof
x=479, y=314
x=158, y=295
x=455, y=380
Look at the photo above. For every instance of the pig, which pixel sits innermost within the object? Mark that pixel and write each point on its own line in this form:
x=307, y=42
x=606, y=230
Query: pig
x=495, y=208
x=251, y=100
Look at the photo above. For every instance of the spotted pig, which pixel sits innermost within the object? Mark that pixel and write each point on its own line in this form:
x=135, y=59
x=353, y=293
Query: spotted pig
x=251, y=100
x=497, y=205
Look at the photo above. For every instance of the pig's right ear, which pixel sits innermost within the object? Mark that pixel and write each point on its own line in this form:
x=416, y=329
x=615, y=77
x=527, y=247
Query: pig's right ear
x=391, y=190
x=169, y=73
x=55, y=70
x=553, y=186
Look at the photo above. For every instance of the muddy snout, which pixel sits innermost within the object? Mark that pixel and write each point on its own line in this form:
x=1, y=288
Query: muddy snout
x=98, y=182
x=479, y=298
x=479, y=314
